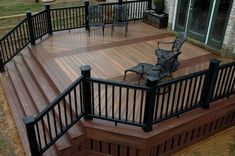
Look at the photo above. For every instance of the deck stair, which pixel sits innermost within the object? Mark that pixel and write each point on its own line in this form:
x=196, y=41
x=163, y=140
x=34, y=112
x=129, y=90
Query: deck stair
x=30, y=87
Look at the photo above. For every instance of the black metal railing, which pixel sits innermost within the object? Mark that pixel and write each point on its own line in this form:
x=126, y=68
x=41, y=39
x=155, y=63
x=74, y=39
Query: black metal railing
x=40, y=24
x=68, y=18
x=55, y=120
x=136, y=105
x=14, y=41
x=225, y=83
x=180, y=95
x=117, y=102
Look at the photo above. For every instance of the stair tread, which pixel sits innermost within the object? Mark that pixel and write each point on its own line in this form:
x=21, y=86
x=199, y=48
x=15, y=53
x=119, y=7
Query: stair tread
x=57, y=77
x=17, y=111
x=29, y=94
x=47, y=88
x=40, y=77
x=21, y=91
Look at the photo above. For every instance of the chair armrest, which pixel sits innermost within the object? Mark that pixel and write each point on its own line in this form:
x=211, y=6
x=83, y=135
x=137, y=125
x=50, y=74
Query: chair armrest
x=158, y=43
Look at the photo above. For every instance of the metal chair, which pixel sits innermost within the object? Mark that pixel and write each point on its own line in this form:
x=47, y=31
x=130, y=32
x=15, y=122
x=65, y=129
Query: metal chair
x=120, y=18
x=95, y=17
x=160, y=70
x=176, y=45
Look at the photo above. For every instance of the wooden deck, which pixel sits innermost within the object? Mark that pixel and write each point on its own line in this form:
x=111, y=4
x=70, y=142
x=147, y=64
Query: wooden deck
x=40, y=73
x=110, y=56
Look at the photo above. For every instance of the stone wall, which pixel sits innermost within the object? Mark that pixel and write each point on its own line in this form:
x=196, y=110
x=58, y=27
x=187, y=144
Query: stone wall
x=229, y=38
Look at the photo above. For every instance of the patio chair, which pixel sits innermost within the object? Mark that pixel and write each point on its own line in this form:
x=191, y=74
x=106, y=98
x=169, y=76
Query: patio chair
x=160, y=70
x=176, y=45
x=95, y=17
x=120, y=18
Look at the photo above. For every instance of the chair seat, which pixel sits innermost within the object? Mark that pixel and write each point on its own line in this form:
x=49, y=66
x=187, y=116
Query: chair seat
x=97, y=24
x=163, y=53
x=145, y=69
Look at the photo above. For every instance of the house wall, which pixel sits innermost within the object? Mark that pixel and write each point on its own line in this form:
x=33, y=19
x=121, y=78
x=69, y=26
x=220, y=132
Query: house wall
x=229, y=38
x=169, y=9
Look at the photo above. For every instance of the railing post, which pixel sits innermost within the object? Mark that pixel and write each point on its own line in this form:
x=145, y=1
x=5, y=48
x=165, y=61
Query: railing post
x=149, y=4
x=29, y=123
x=31, y=31
x=86, y=92
x=150, y=103
x=209, y=83
x=48, y=10
x=86, y=15
x=2, y=69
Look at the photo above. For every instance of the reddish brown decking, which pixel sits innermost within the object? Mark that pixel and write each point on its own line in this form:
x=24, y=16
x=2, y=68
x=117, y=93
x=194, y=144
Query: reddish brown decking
x=40, y=73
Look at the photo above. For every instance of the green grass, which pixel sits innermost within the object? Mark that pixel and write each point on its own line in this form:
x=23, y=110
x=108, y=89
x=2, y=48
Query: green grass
x=3, y=144
x=15, y=7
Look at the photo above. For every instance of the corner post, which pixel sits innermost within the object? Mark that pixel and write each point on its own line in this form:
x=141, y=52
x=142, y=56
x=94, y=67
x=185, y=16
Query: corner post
x=31, y=31
x=49, y=26
x=29, y=123
x=86, y=92
x=149, y=4
x=86, y=15
x=209, y=83
x=150, y=103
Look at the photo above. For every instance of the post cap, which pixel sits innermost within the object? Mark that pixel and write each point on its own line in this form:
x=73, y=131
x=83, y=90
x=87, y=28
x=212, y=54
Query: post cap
x=28, y=119
x=216, y=61
x=85, y=68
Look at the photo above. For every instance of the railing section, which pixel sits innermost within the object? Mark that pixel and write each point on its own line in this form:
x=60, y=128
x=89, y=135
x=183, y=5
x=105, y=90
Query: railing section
x=117, y=102
x=178, y=96
x=55, y=120
x=40, y=24
x=135, y=10
x=14, y=41
x=225, y=84
x=68, y=18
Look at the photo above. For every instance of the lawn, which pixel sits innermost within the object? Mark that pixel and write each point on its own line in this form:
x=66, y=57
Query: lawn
x=10, y=8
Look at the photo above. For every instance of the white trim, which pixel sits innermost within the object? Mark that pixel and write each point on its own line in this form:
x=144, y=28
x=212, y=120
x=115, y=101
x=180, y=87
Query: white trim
x=175, y=12
x=189, y=9
x=210, y=22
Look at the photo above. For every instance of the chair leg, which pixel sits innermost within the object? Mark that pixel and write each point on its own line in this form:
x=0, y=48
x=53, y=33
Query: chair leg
x=112, y=30
x=89, y=32
x=124, y=78
x=103, y=30
x=126, y=30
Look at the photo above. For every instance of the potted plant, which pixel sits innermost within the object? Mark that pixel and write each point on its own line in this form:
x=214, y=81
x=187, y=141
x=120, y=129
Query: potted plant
x=159, y=6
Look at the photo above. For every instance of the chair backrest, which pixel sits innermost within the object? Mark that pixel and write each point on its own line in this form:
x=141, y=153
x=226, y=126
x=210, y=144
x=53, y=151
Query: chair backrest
x=95, y=14
x=179, y=41
x=120, y=14
x=168, y=64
